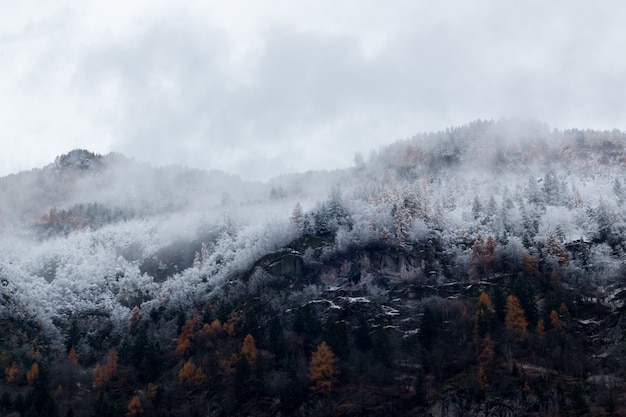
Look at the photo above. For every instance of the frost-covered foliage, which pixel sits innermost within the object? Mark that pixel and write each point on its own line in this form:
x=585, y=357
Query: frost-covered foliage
x=100, y=235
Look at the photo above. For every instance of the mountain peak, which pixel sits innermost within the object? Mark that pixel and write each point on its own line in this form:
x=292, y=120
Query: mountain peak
x=78, y=159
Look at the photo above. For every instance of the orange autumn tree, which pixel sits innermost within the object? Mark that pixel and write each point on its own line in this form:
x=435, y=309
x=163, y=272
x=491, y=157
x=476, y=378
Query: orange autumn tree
x=72, y=357
x=514, y=320
x=554, y=249
x=12, y=373
x=134, y=317
x=191, y=374
x=33, y=373
x=483, y=256
x=248, y=349
x=529, y=265
x=186, y=337
x=134, y=407
x=483, y=318
x=541, y=329
x=105, y=372
x=323, y=369
x=481, y=378
x=555, y=321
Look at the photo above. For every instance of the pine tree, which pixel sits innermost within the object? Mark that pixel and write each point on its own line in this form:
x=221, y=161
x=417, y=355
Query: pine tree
x=554, y=249
x=297, y=219
x=477, y=208
x=428, y=329
x=401, y=223
x=362, y=338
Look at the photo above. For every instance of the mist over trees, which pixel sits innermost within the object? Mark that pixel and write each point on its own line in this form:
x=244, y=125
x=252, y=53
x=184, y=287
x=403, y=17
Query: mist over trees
x=125, y=278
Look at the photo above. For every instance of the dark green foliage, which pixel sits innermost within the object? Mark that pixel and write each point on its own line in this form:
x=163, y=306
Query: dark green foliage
x=73, y=335
x=276, y=336
x=335, y=333
x=524, y=291
x=382, y=349
x=243, y=371
x=142, y=353
x=6, y=403
x=362, y=338
x=328, y=217
x=105, y=406
x=81, y=216
x=420, y=387
x=307, y=325
x=499, y=301
x=580, y=405
x=428, y=329
x=40, y=400
x=20, y=405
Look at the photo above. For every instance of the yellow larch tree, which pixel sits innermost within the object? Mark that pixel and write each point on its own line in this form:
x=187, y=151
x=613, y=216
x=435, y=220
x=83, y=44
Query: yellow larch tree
x=106, y=371
x=72, y=357
x=514, y=318
x=191, y=374
x=12, y=373
x=248, y=349
x=541, y=329
x=33, y=373
x=186, y=337
x=529, y=265
x=484, y=316
x=555, y=321
x=485, y=358
x=134, y=317
x=187, y=372
x=482, y=379
x=134, y=407
x=323, y=370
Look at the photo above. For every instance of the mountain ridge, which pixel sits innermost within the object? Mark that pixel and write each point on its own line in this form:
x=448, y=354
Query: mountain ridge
x=477, y=268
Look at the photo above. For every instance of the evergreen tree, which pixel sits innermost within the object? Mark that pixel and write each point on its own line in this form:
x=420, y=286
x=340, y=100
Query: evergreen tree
x=428, y=329
x=335, y=333
x=40, y=399
x=362, y=338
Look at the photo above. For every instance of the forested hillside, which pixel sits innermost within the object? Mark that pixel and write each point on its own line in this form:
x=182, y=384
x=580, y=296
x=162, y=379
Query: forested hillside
x=478, y=269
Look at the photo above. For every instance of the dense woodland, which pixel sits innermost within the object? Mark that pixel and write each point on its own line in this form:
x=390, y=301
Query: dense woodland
x=477, y=269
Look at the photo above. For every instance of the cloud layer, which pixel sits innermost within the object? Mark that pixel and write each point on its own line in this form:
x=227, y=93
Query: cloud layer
x=260, y=90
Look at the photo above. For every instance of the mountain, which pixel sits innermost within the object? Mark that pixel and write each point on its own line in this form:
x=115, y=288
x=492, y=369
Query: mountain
x=474, y=270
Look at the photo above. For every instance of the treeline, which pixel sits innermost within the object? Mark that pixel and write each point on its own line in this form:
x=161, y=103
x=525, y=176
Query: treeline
x=80, y=217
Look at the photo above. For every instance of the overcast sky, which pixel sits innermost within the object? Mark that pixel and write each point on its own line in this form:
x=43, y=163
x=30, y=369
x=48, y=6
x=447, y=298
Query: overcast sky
x=260, y=88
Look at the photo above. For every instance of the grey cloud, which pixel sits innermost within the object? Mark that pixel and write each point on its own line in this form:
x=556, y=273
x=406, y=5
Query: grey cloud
x=310, y=100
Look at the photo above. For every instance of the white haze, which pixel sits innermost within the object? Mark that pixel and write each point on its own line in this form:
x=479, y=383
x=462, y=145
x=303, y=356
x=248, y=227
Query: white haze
x=530, y=183
x=260, y=89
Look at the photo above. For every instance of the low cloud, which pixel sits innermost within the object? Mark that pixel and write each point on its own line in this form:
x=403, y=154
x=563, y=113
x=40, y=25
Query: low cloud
x=296, y=92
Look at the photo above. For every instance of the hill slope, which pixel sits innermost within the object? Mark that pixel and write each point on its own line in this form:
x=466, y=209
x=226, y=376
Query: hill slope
x=478, y=268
